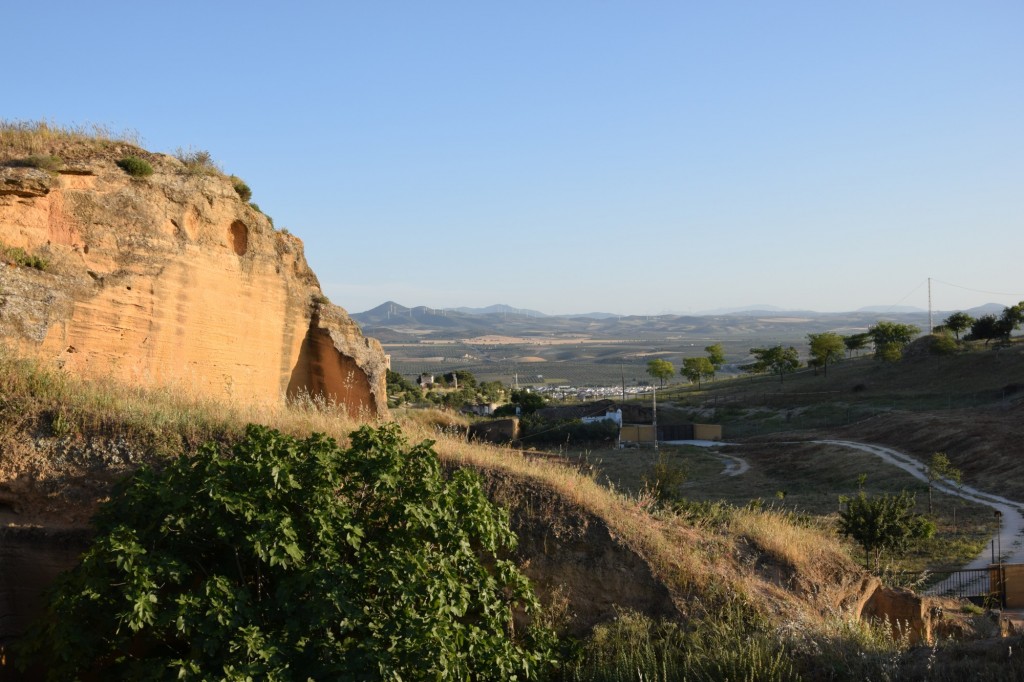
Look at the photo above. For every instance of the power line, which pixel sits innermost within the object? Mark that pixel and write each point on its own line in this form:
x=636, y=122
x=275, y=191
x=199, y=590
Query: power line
x=978, y=291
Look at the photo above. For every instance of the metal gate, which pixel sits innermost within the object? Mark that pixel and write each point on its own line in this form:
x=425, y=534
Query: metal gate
x=982, y=586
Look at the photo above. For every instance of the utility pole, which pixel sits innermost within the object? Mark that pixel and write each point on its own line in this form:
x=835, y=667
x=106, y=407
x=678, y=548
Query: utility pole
x=931, y=325
x=655, y=417
x=623, y=373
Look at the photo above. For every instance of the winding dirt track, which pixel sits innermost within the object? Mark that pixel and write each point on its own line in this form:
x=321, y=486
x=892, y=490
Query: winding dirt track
x=1009, y=537
x=733, y=465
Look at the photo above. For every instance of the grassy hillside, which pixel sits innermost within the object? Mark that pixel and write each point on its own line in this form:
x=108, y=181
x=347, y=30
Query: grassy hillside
x=763, y=590
x=968, y=405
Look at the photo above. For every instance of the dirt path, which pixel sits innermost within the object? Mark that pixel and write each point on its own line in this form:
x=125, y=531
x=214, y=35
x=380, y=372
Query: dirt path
x=1009, y=537
x=734, y=466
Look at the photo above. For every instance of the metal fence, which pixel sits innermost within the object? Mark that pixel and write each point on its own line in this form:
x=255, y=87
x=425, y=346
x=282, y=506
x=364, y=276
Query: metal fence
x=974, y=584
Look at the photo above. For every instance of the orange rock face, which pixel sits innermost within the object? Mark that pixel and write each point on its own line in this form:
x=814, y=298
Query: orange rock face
x=172, y=280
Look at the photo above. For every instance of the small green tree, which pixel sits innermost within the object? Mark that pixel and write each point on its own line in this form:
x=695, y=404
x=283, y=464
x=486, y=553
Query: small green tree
x=891, y=338
x=826, y=347
x=696, y=369
x=296, y=560
x=882, y=523
x=665, y=476
x=958, y=322
x=776, y=359
x=988, y=327
x=856, y=342
x=716, y=356
x=527, y=401
x=661, y=369
x=941, y=469
x=400, y=390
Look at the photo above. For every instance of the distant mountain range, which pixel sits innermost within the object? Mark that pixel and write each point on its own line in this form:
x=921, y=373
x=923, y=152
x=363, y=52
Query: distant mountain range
x=392, y=322
x=391, y=309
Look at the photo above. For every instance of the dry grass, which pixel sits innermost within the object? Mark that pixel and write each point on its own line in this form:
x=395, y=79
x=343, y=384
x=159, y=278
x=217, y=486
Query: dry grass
x=804, y=546
x=26, y=138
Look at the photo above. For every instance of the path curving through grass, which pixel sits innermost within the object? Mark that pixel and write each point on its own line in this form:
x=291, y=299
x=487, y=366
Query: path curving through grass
x=1011, y=533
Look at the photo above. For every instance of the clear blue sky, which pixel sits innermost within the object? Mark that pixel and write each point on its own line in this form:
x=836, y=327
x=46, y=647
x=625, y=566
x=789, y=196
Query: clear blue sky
x=629, y=157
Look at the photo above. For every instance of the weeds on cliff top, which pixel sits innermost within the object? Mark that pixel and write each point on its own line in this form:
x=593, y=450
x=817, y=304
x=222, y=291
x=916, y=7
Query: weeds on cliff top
x=36, y=137
x=197, y=162
x=243, y=190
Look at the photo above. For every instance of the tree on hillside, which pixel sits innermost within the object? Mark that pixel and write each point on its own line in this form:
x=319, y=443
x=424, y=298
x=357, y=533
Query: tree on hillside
x=941, y=469
x=716, y=356
x=696, y=369
x=527, y=401
x=958, y=322
x=296, y=559
x=856, y=342
x=891, y=338
x=661, y=369
x=1012, y=318
x=400, y=390
x=461, y=378
x=988, y=327
x=826, y=347
x=883, y=523
x=776, y=359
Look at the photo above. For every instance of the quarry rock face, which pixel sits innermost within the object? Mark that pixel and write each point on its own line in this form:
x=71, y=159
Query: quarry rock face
x=172, y=280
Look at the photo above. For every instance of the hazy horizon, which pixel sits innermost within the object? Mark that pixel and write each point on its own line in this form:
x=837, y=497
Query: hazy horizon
x=767, y=308
x=579, y=156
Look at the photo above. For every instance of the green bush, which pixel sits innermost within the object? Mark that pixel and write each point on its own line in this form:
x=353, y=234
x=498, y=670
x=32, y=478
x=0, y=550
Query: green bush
x=135, y=167
x=244, y=191
x=47, y=162
x=943, y=344
x=19, y=256
x=299, y=560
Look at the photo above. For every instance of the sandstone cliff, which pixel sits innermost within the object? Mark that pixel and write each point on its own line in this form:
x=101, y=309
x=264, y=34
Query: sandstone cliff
x=170, y=280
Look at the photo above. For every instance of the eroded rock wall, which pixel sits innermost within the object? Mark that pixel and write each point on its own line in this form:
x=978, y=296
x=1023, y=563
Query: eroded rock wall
x=173, y=280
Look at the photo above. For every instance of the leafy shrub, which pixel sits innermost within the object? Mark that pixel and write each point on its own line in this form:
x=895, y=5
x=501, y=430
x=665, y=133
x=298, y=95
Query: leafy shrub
x=665, y=477
x=244, y=191
x=943, y=344
x=135, y=167
x=883, y=523
x=293, y=560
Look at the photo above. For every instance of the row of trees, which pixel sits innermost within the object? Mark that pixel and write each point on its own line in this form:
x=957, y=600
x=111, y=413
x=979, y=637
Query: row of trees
x=694, y=369
x=826, y=348
x=987, y=327
x=454, y=389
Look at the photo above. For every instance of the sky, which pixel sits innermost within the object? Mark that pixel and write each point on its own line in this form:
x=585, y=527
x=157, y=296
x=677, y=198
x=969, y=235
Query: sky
x=626, y=157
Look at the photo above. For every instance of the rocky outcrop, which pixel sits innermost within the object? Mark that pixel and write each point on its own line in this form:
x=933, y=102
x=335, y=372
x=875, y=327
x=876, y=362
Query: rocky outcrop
x=173, y=280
